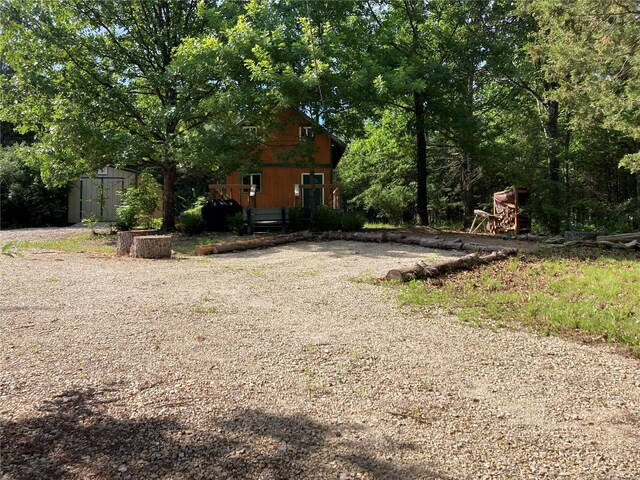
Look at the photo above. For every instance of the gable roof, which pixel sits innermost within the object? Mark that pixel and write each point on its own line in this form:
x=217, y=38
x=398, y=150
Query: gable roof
x=324, y=129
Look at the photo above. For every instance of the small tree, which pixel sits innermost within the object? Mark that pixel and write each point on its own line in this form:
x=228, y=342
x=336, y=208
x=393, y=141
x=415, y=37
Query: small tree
x=137, y=203
x=123, y=82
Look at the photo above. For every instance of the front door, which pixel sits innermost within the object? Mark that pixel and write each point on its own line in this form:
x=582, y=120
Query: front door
x=319, y=191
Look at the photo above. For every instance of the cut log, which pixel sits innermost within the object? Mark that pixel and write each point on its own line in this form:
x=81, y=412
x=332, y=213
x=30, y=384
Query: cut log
x=395, y=237
x=125, y=239
x=421, y=270
x=633, y=244
x=242, y=245
x=623, y=237
x=151, y=246
x=410, y=239
x=369, y=237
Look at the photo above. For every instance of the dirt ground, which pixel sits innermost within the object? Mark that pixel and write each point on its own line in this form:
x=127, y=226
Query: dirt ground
x=289, y=363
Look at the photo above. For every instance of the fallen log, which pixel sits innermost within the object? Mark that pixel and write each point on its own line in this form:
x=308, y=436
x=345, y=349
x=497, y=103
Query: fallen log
x=410, y=239
x=622, y=237
x=421, y=270
x=125, y=239
x=370, y=237
x=242, y=245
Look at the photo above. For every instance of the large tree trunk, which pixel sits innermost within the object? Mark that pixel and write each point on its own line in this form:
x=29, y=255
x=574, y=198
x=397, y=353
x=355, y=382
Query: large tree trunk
x=168, y=197
x=638, y=200
x=554, y=218
x=467, y=191
x=422, y=217
x=551, y=133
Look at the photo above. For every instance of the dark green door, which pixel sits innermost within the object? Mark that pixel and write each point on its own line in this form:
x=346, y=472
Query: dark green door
x=306, y=192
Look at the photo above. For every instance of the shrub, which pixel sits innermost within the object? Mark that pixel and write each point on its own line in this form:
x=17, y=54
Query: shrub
x=390, y=201
x=137, y=203
x=326, y=219
x=153, y=223
x=235, y=223
x=191, y=221
x=25, y=200
x=125, y=217
x=298, y=221
x=352, y=221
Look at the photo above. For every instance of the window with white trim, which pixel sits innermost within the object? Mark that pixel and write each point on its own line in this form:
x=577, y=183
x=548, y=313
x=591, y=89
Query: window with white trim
x=306, y=133
x=252, y=179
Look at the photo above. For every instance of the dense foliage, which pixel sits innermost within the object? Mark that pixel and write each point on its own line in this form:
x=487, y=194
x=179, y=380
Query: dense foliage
x=443, y=102
x=24, y=199
x=138, y=203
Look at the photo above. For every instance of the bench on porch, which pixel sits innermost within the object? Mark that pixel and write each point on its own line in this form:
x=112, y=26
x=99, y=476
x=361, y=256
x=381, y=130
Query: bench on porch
x=266, y=218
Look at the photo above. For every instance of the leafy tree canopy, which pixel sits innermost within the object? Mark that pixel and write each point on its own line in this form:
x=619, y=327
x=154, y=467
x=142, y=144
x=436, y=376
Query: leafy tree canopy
x=123, y=82
x=592, y=51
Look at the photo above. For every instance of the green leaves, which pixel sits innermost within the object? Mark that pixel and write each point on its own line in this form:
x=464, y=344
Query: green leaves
x=591, y=50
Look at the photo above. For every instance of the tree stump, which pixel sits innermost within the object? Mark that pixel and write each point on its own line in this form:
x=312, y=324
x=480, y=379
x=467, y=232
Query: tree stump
x=125, y=239
x=151, y=246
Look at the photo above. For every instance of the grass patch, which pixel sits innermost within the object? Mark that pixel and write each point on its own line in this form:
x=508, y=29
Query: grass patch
x=593, y=298
x=104, y=244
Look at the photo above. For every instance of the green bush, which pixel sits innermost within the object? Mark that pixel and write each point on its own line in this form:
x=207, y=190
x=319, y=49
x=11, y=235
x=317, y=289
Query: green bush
x=326, y=219
x=389, y=201
x=137, y=204
x=236, y=224
x=25, y=200
x=298, y=221
x=125, y=217
x=352, y=221
x=191, y=221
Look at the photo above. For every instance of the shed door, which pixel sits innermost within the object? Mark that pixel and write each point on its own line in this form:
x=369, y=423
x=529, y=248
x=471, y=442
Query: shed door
x=99, y=197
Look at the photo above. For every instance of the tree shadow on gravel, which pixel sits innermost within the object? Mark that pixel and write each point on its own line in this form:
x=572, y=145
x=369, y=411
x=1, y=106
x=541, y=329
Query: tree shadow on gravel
x=73, y=436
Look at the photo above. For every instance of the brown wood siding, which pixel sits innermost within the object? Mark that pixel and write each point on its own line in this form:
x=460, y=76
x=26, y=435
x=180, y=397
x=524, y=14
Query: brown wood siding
x=280, y=172
x=277, y=186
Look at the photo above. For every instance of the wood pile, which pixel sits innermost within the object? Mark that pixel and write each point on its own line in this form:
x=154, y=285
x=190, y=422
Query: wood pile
x=151, y=246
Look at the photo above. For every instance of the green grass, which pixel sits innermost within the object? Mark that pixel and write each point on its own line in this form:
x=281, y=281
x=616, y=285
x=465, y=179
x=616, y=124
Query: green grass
x=590, y=298
x=381, y=225
x=104, y=244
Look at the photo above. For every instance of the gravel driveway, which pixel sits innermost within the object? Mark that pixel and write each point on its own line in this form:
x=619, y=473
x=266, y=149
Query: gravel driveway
x=42, y=233
x=288, y=363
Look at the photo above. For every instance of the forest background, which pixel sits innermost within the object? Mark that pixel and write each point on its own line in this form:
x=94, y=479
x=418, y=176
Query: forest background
x=442, y=102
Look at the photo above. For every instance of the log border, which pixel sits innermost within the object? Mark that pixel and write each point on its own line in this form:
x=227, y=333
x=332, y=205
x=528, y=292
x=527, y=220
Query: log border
x=420, y=270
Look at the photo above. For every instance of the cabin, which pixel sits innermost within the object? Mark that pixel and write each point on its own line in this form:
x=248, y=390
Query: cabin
x=296, y=167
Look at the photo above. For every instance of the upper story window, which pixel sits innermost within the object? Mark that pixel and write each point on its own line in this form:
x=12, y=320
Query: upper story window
x=306, y=133
x=250, y=129
x=253, y=179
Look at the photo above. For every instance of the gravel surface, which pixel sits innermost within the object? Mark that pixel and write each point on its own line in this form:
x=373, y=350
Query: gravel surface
x=288, y=363
x=42, y=233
